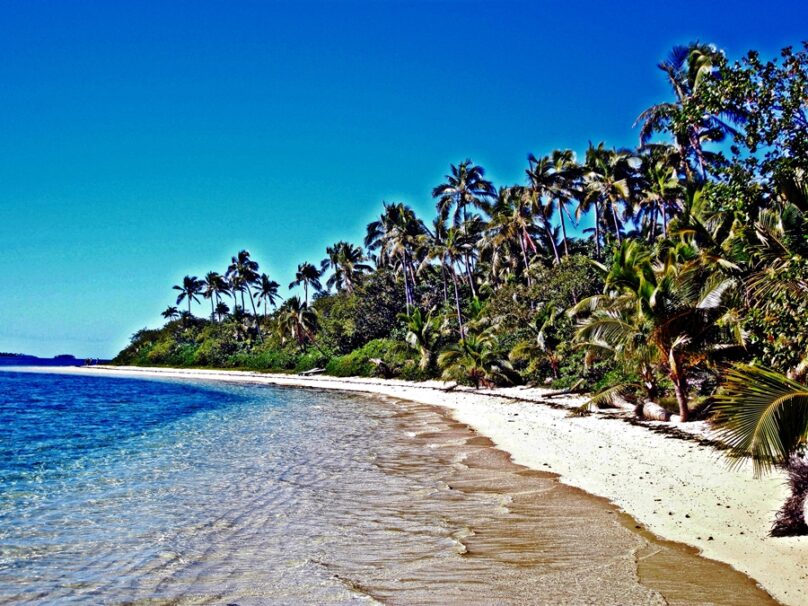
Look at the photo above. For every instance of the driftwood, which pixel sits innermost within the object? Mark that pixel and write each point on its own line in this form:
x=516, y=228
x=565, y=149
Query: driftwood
x=313, y=371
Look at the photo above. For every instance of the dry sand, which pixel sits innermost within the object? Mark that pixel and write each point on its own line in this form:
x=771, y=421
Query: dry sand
x=679, y=489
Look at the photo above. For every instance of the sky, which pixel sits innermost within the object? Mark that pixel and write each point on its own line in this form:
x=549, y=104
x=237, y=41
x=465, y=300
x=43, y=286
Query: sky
x=143, y=141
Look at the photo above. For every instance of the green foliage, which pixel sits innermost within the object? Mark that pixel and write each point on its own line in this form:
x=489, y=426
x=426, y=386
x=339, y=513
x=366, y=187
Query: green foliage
x=395, y=357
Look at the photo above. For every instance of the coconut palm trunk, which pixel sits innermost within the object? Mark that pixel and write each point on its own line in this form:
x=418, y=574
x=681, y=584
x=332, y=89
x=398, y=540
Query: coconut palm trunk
x=563, y=227
x=597, y=229
x=457, y=307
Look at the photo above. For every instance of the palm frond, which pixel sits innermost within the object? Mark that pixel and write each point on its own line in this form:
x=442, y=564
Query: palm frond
x=762, y=414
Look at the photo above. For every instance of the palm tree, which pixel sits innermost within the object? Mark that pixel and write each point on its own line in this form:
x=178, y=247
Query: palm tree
x=451, y=252
x=398, y=236
x=688, y=68
x=764, y=414
x=608, y=181
x=307, y=275
x=465, y=187
x=347, y=263
x=215, y=286
x=553, y=182
x=422, y=334
x=298, y=321
x=242, y=274
x=170, y=313
x=267, y=291
x=222, y=310
x=670, y=304
x=511, y=225
x=662, y=192
x=189, y=289
x=477, y=359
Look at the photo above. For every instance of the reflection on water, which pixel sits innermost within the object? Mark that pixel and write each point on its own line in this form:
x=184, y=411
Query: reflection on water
x=216, y=494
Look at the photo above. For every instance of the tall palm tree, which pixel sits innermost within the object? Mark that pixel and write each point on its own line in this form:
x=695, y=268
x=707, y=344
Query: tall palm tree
x=661, y=192
x=242, y=273
x=608, y=179
x=398, y=236
x=215, y=286
x=267, y=291
x=190, y=289
x=347, y=264
x=450, y=253
x=465, y=186
x=170, y=313
x=307, y=275
x=688, y=68
x=511, y=225
x=553, y=183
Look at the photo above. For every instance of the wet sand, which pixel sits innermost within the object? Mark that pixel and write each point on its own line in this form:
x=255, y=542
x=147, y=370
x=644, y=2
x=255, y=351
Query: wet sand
x=544, y=542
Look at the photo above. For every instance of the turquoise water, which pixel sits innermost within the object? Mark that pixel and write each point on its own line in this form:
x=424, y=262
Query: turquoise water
x=118, y=489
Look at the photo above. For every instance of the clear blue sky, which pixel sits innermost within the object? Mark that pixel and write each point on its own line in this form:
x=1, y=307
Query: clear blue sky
x=142, y=141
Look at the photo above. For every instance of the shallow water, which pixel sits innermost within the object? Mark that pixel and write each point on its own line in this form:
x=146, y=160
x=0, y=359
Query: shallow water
x=120, y=490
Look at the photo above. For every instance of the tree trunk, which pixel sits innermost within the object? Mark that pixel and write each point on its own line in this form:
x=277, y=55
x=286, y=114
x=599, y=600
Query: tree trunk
x=664, y=219
x=790, y=520
x=457, y=305
x=551, y=237
x=597, y=230
x=680, y=387
x=212, y=311
x=252, y=302
x=563, y=227
x=406, y=283
x=616, y=224
x=524, y=259
x=470, y=277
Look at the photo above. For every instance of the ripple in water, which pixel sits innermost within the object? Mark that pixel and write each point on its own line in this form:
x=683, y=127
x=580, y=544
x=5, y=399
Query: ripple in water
x=155, y=492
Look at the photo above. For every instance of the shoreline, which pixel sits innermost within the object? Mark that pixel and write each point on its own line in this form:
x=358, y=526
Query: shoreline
x=674, y=483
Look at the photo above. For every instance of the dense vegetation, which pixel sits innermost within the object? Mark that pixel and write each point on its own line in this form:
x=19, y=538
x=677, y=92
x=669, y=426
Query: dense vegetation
x=695, y=269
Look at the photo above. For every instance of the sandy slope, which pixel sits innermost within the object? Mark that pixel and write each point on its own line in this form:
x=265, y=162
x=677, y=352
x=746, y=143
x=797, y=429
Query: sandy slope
x=677, y=488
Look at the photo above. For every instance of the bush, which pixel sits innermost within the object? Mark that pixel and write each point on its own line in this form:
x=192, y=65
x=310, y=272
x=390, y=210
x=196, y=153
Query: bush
x=394, y=354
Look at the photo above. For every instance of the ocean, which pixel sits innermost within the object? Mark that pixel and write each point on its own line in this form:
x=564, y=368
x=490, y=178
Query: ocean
x=139, y=491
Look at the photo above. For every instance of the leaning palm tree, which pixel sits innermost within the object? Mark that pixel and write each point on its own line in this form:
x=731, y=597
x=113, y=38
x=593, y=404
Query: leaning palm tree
x=347, y=264
x=671, y=311
x=242, y=273
x=688, y=68
x=267, y=291
x=190, y=289
x=764, y=415
x=170, y=313
x=307, y=275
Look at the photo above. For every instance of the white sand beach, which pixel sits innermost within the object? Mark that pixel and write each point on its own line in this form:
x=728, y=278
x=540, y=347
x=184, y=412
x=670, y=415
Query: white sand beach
x=679, y=489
